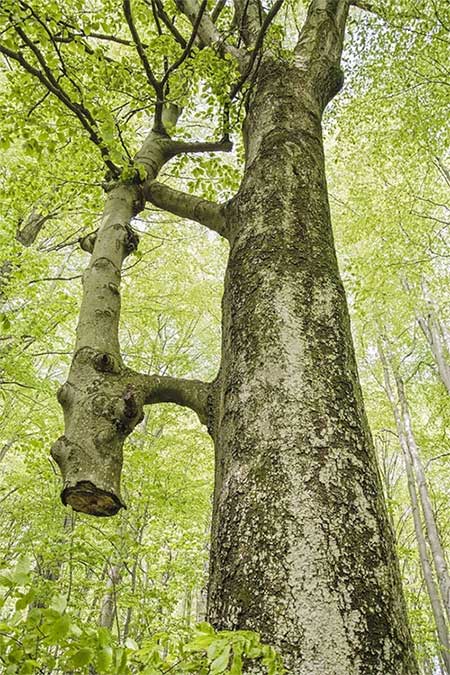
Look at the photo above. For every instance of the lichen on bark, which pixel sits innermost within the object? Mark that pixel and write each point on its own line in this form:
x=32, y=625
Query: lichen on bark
x=302, y=549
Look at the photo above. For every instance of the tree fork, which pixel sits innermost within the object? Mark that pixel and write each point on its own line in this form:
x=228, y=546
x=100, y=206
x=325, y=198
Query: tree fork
x=102, y=399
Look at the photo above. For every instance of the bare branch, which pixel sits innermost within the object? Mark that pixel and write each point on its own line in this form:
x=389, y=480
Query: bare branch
x=366, y=6
x=187, y=49
x=168, y=23
x=217, y=10
x=192, y=394
x=320, y=58
x=34, y=224
x=184, y=205
x=257, y=48
x=185, y=147
x=249, y=17
x=207, y=30
x=140, y=48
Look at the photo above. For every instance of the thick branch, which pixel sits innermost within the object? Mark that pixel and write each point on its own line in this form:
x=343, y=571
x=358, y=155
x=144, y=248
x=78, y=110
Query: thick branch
x=207, y=30
x=192, y=394
x=184, y=147
x=27, y=233
x=248, y=17
x=188, y=206
x=366, y=6
x=319, y=47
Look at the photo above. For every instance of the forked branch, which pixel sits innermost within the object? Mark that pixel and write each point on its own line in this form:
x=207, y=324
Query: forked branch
x=140, y=48
x=80, y=111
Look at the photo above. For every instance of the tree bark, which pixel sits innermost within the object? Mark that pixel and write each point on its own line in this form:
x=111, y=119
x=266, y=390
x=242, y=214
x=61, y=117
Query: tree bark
x=108, y=605
x=302, y=550
x=103, y=399
x=434, y=334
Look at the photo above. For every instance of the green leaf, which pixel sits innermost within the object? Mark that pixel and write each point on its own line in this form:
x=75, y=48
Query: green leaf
x=104, y=659
x=82, y=657
x=59, y=629
x=220, y=663
x=104, y=637
x=59, y=603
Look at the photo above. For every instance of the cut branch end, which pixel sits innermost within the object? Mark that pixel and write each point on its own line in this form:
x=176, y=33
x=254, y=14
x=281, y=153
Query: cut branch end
x=85, y=497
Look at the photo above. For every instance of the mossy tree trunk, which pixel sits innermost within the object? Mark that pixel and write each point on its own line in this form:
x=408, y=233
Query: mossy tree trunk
x=302, y=550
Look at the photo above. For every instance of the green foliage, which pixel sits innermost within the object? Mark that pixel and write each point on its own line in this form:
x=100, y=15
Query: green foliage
x=387, y=141
x=50, y=637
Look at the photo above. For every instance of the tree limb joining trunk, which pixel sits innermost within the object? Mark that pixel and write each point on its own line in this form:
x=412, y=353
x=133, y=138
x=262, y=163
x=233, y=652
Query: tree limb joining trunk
x=188, y=206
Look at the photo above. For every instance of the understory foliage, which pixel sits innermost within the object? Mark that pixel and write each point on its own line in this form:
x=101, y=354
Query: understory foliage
x=128, y=594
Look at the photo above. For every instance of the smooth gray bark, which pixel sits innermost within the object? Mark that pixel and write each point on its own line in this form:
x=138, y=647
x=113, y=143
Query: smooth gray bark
x=431, y=586
x=108, y=605
x=433, y=535
x=434, y=333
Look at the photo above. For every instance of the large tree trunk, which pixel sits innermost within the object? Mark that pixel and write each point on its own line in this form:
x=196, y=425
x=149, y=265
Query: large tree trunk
x=302, y=549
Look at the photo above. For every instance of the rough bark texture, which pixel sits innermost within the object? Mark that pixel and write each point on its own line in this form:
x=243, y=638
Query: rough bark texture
x=301, y=545
x=302, y=549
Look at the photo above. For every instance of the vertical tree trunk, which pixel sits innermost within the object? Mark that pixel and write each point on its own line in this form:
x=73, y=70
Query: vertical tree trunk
x=302, y=549
x=108, y=605
x=433, y=535
x=434, y=334
x=433, y=592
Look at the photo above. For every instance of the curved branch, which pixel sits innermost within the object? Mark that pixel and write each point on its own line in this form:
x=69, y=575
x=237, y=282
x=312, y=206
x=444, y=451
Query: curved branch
x=270, y=16
x=320, y=58
x=191, y=394
x=184, y=205
x=188, y=48
x=168, y=23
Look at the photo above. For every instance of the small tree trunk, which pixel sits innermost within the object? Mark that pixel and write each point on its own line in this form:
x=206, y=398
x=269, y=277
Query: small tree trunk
x=434, y=334
x=434, y=538
x=108, y=605
x=404, y=430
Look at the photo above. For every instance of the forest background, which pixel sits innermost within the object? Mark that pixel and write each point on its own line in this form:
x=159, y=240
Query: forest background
x=112, y=592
